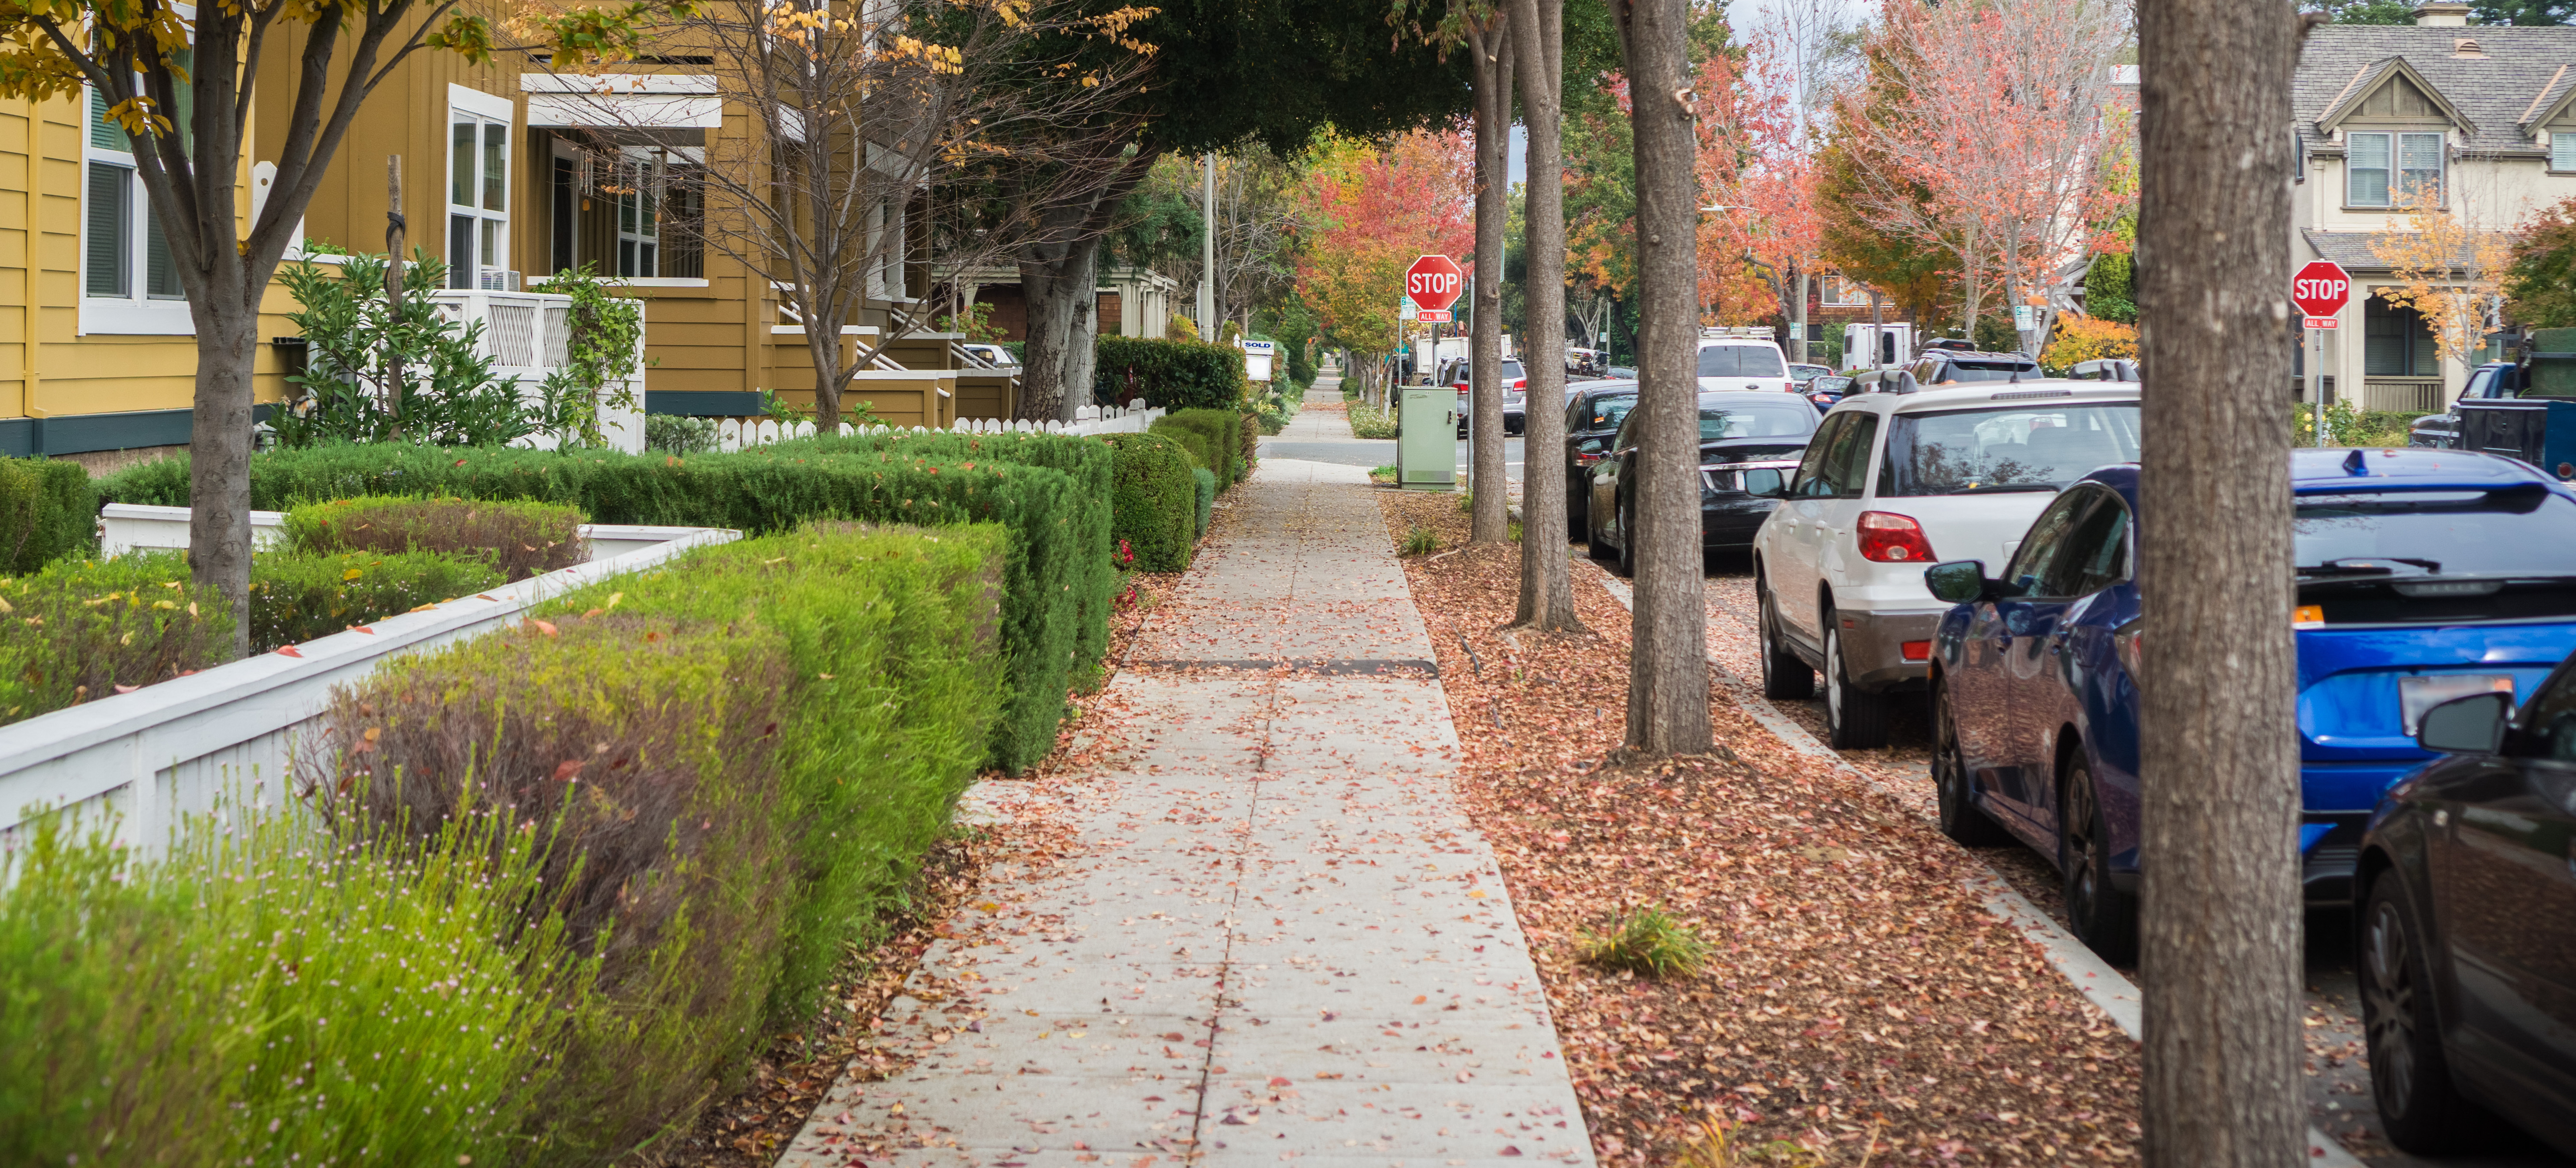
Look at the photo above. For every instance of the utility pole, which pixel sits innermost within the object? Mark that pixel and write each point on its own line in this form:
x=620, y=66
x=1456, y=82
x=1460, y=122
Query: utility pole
x=1207, y=250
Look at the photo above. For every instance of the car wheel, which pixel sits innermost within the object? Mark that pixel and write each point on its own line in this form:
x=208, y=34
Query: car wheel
x=1626, y=564
x=1961, y=819
x=1784, y=677
x=1853, y=718
x=2410, y=1076
x=2105, y=918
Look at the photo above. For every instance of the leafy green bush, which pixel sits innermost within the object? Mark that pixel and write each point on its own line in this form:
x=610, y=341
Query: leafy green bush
x=2347, y=426
x=679, y=434
x=521, y=539
x=1205, y=512
x=1154, y=500
x=270, y=995
x=355, y=344
x=86, y=629
x=1249, y=432
x=1058, y=578
x=48, y=510
x=299, y=596
x=1648, y=941
x=1173, y=374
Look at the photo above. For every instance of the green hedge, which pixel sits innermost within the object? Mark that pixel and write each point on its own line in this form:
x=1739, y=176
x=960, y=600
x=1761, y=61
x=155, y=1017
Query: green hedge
x=1175, y=375
x=1155, y=500
x=300, y=596
x=80, y=629
x=1058, y=576
x=1205, y=482
x=1222, y=434
x=521, y=539
x=48, y=510
x=570, y=878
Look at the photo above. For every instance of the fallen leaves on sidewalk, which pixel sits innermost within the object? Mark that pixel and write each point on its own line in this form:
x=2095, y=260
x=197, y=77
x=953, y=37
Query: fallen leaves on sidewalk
x=1858, y=1000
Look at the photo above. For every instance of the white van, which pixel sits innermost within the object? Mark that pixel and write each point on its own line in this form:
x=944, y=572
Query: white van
x=1740, y=359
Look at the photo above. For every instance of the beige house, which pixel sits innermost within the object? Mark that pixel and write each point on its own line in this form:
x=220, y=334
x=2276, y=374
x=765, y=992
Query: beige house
x=2483, y=114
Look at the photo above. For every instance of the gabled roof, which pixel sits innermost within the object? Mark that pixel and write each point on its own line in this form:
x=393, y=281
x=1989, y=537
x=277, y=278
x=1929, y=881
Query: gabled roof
x=2380, y=74
x=2551, y=99
x=2357, y=251
x=2518, y=74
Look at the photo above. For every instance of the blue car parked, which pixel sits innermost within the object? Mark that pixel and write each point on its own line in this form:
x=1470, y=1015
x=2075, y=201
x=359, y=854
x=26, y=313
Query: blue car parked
x=2423, y=576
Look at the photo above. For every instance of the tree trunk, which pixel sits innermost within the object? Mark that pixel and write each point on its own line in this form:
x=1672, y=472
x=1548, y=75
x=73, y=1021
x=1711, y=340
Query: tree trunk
x=1668, y=649
x=219, y=449
x=2220, y=927
x=1051, y=284
x=1547, y=581
x=1081, y=354
x=1490, y=521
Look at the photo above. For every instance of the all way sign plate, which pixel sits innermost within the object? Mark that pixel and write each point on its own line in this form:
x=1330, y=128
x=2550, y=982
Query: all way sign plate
x=1435, y=316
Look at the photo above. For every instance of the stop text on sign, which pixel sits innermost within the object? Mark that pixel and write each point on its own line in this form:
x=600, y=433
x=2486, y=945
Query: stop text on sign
x=2321, y=288
x=1433, y=282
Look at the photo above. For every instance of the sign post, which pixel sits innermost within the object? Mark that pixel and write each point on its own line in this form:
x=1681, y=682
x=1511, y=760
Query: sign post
x=1432, y=284
x=2320, y=289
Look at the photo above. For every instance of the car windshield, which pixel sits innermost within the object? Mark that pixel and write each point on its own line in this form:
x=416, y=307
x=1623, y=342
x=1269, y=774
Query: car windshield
x=1830, y=384
x=1741, y=361
x=2521, y=529
x=1964, y=371
x=2014, y=448
x=1791, y=417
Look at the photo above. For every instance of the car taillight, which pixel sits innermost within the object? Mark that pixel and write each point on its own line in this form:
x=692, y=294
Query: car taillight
x=2125, y=641
x=1916, y=650
x=1890, y=538
x=1582, y=458
x=1523, y=383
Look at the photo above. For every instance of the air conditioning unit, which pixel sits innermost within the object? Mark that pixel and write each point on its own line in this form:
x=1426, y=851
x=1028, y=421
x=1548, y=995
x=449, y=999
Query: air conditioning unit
x=495, y=280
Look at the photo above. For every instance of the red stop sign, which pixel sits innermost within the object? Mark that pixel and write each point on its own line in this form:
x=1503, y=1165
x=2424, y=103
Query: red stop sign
x=1433, y=282
x=2321, y=288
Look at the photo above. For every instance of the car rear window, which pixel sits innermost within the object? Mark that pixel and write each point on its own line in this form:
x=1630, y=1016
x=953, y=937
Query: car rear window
x=2011, y=448
x=1741, y=361
x=1966, y=371
x=2463, y=532
x=1606, y=411
x=1790, y=418
x=1511, y=370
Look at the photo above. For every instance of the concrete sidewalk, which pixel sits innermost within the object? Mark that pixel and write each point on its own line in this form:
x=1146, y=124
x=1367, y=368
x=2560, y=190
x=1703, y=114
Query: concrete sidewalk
x=1278, y=939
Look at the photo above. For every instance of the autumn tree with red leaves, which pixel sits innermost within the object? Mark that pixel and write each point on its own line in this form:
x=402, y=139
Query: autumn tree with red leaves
x=1369, y=212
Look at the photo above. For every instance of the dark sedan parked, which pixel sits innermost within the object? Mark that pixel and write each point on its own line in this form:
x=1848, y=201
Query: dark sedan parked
x=1592, y=413
x=1740, y=434
x=2468, y=925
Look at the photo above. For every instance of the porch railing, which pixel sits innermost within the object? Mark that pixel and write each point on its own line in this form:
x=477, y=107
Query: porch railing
x=2413, y=395
x=529, y=335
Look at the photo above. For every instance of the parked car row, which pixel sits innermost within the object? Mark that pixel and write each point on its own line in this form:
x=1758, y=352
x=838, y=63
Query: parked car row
x=2436, y=595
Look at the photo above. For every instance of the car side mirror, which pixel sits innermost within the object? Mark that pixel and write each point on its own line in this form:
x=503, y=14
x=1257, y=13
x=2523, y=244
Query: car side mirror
x=1958, y=581
x=2471, y=725
x=1765, y=483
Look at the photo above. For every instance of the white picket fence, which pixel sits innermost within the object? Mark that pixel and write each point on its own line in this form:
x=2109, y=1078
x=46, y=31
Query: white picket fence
x=1133, y=418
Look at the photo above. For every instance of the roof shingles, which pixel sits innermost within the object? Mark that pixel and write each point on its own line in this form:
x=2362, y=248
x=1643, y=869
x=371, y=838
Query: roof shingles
x=2496, y=91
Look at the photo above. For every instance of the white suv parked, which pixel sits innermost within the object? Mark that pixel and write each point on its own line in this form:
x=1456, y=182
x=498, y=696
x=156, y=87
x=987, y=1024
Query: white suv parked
x=1739, y=359
x=1891, y=483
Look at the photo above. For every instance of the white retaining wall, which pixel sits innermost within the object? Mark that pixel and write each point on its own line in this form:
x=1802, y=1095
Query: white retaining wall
x=167, y=750
x=732, y=435
x=125, y=527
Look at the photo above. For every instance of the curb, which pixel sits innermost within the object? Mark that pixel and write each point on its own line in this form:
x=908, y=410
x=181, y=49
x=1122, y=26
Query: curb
x=2107, y=988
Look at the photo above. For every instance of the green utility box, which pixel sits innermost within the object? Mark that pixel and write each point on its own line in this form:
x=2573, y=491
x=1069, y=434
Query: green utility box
x=1426, y=439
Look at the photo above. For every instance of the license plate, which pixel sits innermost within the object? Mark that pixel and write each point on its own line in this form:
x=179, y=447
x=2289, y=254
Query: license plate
x=2418, y=694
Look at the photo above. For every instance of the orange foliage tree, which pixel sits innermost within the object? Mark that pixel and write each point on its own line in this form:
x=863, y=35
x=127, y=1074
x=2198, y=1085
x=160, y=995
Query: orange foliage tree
x=1369, y=209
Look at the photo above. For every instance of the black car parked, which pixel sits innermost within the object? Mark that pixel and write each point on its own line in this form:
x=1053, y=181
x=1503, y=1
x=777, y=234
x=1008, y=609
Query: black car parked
x=1592, y=413
x=2467, y=935
x=1741, y=434
x=2495, y=379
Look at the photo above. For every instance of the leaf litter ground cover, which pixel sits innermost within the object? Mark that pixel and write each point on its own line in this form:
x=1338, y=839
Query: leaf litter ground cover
x=1858, y=1002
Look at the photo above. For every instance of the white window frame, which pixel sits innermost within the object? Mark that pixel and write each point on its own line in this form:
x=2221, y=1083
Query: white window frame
x=640, y=171
x=139, y=313
x=1837, y=282
x=2397, y=170
x=2562, y=152
x=465, y=104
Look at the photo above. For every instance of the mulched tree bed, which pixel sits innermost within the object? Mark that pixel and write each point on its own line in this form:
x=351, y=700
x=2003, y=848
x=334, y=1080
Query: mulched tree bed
x=1859, y=1004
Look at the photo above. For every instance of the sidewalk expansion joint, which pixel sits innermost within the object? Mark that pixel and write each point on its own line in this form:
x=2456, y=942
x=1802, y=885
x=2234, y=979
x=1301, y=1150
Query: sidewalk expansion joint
x=1325, y=665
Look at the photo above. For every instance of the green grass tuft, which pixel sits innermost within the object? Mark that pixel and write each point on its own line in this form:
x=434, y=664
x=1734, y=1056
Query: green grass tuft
x=1648, y=941
x=1419, y=542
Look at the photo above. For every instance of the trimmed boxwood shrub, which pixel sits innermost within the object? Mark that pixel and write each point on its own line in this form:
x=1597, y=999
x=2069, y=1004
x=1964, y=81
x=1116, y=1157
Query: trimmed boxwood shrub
x=48, y=510
x=1155, y=500
x=1173, y=374
x=1057, y=577
x=1206, y=483
x=298, y=596
x=1222, y=432
x=521, y=539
